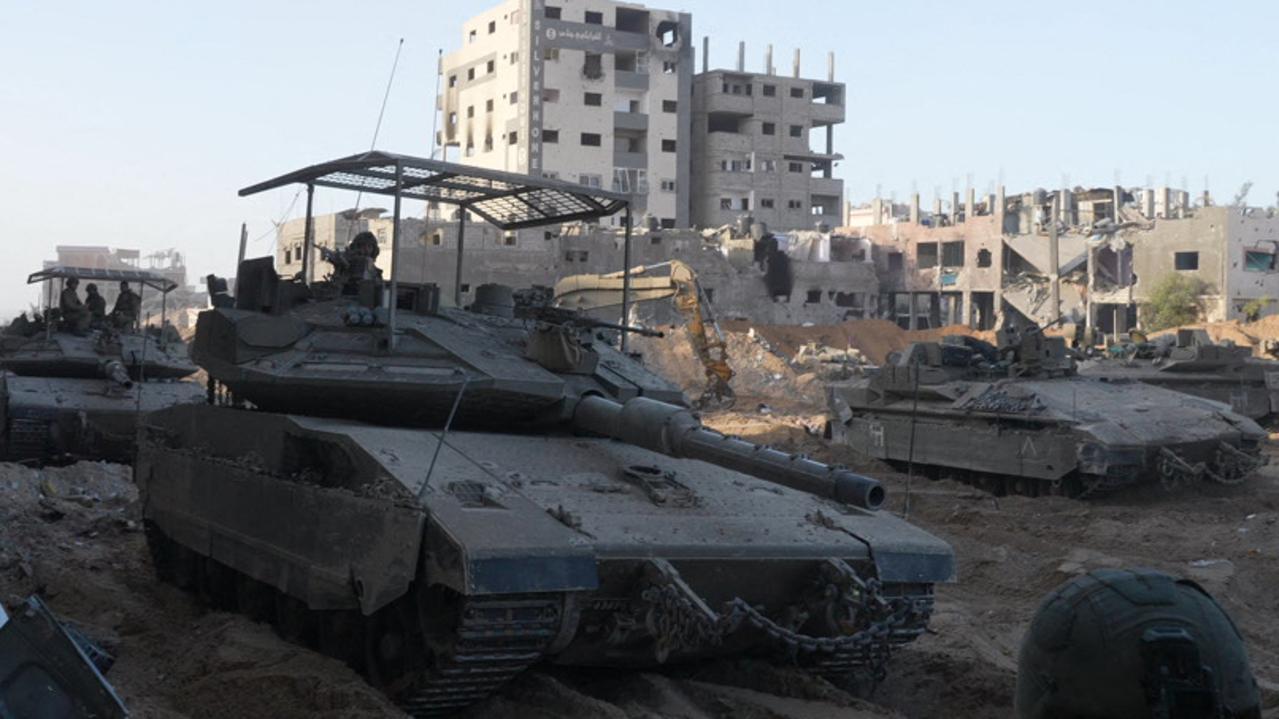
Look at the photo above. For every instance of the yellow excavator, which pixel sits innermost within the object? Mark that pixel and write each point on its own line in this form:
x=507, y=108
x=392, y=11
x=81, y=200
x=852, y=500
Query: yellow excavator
x=679, y=282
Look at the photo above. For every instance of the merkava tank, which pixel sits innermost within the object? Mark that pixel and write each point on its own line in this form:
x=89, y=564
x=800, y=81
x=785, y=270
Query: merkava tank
x=1018, y=419
x=75, y=391
x=1189, y=361
x=444, y=497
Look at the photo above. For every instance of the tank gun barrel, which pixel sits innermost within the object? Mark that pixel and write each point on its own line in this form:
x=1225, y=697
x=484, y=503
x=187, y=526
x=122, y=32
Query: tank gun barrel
x=561, y=316
x=676, y=432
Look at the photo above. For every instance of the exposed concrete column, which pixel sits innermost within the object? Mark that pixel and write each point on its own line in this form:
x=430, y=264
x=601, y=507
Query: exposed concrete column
x=1054, y=259
x=954, y=208
x=830, y=66
x=999, y=212
x=914, y=311
x=970, y=206
x=936, y=211
x=1090, y=309
x=795, y=65
x=877, y=211
x=966, y=312
x=1185, y=203
x=768, y=60
x=914, y=209
x=741, y=56
x=1148, y=203
x=1119, y=200
x=1165, y=199
x=1067, y=207
x=706, y=53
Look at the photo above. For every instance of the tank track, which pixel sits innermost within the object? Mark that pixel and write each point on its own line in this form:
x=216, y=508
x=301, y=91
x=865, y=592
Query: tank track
x=491, y=642
x=496, y=640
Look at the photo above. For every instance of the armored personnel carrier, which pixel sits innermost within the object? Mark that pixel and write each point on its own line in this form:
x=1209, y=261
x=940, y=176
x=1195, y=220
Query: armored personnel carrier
x=1190, y=362
x=444, y=497
x=1018, y=419
x=75, y=392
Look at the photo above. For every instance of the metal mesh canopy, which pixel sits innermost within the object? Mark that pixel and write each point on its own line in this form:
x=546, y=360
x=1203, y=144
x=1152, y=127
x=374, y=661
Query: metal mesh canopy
x=150, y=279
x=505, y=199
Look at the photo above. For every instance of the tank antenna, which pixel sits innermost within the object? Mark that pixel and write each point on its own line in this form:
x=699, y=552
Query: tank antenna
x=445, y=433
x=910, y=451
x=377, y=128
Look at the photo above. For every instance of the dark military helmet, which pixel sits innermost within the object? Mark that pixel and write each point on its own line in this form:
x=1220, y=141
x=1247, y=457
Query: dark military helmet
x=366, y=242
x=1128, y=644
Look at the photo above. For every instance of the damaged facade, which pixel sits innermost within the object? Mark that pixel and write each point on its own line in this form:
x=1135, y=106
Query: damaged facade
x=747, y=272
x=990, y=256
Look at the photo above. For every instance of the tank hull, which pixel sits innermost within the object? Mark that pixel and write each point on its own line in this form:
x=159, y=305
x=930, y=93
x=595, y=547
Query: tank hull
x=49, y=419
x=67, y=355
x=1249, y=387
x=1071, y=436
x=615, y=555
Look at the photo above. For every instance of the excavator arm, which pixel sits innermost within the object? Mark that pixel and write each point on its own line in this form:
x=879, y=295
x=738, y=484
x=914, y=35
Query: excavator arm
x=593, y=292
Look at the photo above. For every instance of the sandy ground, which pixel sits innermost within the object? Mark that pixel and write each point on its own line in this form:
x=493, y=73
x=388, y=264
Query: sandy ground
x=72, y=535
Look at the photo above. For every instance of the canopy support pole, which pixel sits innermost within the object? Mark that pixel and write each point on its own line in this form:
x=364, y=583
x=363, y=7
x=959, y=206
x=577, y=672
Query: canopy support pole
x=395, y=256
x=461, y=247
x=626, y=275
x=308, y=239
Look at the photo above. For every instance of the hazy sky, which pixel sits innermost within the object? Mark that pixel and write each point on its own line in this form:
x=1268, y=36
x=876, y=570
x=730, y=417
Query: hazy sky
x=134, y=123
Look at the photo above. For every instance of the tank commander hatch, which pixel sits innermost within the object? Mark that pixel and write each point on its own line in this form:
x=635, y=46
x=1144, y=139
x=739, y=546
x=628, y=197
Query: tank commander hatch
x=356, y=263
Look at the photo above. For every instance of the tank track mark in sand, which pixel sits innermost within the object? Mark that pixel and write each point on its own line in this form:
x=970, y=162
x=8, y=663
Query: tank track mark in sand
x=494, y=639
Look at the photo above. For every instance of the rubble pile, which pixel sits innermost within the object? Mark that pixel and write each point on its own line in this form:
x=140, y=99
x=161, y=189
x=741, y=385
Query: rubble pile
x=873, y=340
x=1262, y=336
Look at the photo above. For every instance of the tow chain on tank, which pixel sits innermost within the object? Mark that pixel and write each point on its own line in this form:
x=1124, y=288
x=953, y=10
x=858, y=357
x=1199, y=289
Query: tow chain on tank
x=496, y=640
x=679, y=619
x=1233, y=465
x=1174, y=470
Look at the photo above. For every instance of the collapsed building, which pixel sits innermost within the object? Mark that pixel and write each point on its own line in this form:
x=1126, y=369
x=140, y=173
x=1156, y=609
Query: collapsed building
x=746, y=271
x=990, y=256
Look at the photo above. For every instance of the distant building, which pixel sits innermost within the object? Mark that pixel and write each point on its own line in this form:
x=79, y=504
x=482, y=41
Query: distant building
x=334, y=231
x=753, y=137
x=591, y=92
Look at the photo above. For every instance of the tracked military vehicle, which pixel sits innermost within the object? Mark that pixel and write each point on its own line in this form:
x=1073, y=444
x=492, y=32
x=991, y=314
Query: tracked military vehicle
x=444, y=497
x=1190, y=362
x=1017, y=418
x=75, y=392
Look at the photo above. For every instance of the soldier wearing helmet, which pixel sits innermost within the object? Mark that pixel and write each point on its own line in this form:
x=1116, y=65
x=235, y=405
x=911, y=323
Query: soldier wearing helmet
x=1129, y=644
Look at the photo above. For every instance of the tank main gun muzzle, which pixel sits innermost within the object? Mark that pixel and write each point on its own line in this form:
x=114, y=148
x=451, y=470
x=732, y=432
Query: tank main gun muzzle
x=115, y=372
x=676, y=432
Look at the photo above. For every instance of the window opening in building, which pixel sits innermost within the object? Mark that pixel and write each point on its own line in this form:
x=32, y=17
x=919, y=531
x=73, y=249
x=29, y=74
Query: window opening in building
x=488, y=105
x=769, y=90
x=952, y=254
x=1258, y=261
x=796, y=167
x=670, y=106
x=768, y=128
x=553, y=12
x=668, y=146
x=766, y=203
x=470, y=111
x=1186, y=260
x=593, y=99
x=491, y=66
x=591, y=139
x=630, y=20
x=593, y=18
x=725, y=203
x=513, y=138
x=983, y=257
x=550, y=94
x=813, y=297
x=796, y=130
x=492, y=26
x=926, y=254
x=794, y=205
x=894, y=262
x=797, y=92
x=470, y=73
x=593, y=66
x=550, y=135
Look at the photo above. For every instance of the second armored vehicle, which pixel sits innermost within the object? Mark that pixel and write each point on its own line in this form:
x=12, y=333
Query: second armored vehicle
x=444, y=497
x=1018, y=419
x=75, y=389
x=1190, y=362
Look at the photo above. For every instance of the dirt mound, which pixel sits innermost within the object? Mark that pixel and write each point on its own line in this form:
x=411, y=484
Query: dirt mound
x=875, y=339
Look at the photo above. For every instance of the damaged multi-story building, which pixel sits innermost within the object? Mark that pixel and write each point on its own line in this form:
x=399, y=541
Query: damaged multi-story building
x=752, y=138
x=973, y=262
x=587, y=91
